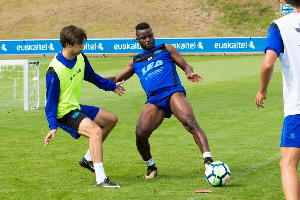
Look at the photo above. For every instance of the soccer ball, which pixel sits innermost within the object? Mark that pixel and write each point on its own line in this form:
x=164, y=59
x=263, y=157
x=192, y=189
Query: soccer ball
x=217, y=173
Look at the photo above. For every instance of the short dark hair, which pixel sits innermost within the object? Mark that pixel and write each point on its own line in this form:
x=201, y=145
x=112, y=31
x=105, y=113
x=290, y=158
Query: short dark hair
x=294, y=3
x=142, y=26
x=71, y=35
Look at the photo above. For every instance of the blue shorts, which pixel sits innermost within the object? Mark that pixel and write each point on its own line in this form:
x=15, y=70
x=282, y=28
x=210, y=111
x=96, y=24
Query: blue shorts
x=161, y=99
x=290, y=136
x=71, y=122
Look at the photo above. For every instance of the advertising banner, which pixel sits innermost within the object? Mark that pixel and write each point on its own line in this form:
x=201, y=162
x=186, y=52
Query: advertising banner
x=127, y=45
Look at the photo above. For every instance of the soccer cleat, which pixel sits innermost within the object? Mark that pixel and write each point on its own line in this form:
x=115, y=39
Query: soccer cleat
x=207, y=161
x=87, y=164
x=151, y=172
x=107, y=184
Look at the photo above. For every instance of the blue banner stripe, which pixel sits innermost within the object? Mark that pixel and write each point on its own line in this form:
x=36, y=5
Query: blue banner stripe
x=107, y=46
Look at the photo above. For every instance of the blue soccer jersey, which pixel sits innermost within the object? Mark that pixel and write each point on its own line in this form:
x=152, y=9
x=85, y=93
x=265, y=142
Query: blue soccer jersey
x=156, y=70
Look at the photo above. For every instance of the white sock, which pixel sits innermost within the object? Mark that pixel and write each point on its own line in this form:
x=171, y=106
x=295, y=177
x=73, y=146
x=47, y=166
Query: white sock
x=88, y=156
x=149, y=162
x=206, y=154
x=99, y=170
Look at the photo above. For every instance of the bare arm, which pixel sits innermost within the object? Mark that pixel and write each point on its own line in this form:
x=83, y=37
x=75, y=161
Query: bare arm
x=49, y=136
x=180, y=61
x=266, y=73
x=123, y=75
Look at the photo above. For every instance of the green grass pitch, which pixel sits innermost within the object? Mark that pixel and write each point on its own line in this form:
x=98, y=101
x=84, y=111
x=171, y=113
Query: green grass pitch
x=244, y=137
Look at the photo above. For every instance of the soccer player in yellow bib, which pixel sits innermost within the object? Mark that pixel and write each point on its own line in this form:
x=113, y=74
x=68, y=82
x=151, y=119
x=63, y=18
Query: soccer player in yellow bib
x=64, y=79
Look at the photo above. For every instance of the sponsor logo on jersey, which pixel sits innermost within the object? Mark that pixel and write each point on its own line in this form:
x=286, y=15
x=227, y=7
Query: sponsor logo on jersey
x=152, y=65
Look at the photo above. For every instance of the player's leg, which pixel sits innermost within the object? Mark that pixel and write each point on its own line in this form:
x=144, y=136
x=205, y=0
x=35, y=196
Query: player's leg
x=290, y=157
x=183, y=111
x=106, y=121
x=91, y=130
x=149, y=119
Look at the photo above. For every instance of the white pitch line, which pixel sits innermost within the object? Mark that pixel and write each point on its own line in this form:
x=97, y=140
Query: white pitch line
x=258, y=166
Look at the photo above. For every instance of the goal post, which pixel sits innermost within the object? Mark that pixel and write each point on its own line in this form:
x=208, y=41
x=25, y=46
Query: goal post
x=19, y=80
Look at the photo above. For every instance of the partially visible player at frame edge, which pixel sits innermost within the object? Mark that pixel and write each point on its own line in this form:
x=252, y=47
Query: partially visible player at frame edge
x=283, y=41
x=64, y=79
x=156, y=69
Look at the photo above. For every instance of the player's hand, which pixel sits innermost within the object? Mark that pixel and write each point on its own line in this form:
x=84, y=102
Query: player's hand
x=49, y=136
x=119, y=88
x=194, y=77
x=259, y=99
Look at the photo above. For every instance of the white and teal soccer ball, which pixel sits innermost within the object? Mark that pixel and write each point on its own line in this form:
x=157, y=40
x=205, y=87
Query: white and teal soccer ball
x=217, y=173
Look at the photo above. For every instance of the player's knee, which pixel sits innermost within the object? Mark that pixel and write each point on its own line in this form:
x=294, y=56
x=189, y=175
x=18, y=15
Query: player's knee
x=287, y=164
x=281, y=164
x=190, y=122
x=113, y=120
x=138, y=133
x=96, y=133
x=141, y=134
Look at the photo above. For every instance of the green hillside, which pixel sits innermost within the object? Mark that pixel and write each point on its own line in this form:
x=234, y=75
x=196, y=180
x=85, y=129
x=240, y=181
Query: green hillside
x=39, y=19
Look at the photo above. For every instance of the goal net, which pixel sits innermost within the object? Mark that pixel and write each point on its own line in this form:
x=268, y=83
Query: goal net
x=19, y=81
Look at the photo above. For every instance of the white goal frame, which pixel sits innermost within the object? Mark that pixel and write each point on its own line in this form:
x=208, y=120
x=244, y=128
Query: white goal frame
x=27, y=92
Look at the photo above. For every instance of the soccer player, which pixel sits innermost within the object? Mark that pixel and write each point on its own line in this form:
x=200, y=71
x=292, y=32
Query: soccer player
x=64, y=79
x=283, y=41
x=156, y=69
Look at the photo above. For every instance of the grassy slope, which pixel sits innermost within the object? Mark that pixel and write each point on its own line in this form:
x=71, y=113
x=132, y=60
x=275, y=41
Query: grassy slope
x=38, y=19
